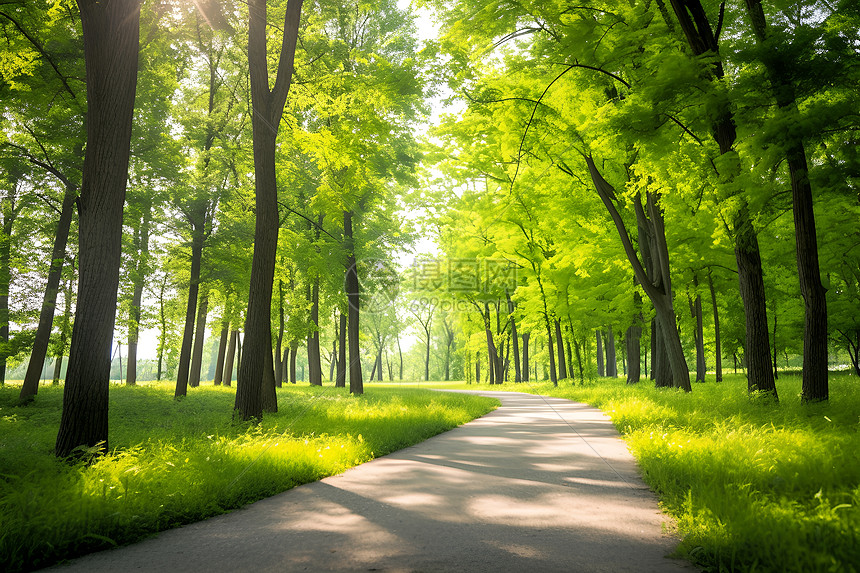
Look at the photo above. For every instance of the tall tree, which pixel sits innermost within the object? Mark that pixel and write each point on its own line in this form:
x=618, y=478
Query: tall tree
x=110, y=31
x=268, y=104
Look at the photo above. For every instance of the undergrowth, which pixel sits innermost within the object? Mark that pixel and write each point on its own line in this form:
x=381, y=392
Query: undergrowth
x=752, y=485
x=174, y=462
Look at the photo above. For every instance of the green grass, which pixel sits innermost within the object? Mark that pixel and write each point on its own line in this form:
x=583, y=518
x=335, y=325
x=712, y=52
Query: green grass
x=751, y=485
x=175, y=462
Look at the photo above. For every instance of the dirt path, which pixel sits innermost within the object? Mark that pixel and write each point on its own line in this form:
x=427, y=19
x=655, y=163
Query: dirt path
x=541, y=484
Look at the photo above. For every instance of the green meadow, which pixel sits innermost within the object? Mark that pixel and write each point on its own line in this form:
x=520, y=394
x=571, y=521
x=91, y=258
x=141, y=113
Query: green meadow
x=750, y=485
x=175, y=462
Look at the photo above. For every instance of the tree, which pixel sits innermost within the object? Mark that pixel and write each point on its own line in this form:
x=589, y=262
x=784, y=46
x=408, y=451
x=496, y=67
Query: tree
x=268, y=105
x=110, y=33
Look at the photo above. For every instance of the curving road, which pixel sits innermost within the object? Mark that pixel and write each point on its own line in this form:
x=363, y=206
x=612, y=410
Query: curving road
x=541, y=484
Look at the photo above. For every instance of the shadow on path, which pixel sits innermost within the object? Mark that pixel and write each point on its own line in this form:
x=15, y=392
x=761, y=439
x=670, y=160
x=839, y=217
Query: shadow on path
x=541, y=484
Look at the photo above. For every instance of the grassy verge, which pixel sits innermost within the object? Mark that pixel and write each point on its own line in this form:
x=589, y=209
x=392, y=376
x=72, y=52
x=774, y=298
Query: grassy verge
x=752, y=485
x=175, y=462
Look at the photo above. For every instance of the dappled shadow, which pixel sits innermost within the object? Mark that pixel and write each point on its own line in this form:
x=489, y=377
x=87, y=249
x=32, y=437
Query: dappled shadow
x=534, y=486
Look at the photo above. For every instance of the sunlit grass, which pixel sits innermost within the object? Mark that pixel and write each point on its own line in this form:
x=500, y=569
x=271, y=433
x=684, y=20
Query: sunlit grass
x=175, y=462
x=752, y=485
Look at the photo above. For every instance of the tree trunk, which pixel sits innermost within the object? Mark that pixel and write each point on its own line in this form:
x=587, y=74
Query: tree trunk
x=333, y=362
x=551, y=351
x=200, y=333
x=356, y=384
x=111, y=32
x=718, y=350
x=659, y=286
x=185, y=350
x=400, y=354
x=757, y=345
x=578, y=350
x=222, y=352
x=270, y=395
x=427, y=354
x=46, y=317
x=775, y=369
x=478, y=369
x=227, y=378
x=268, y=105
x=518, y=375
x=340, y=382
x=701, y=367
x=701, y=38
x=815, y=382
x=634, y=353
x=285, y=366
x=314, y=361
x=293, y=353
x=660, y=368
x=562, y=367
x=601, y=372
x=611, y=358
x=654, y=353
x=10, y=213
x=526, y=336
x=279, y=366
x=373, y=370
x=65, y=329
x=139, y=277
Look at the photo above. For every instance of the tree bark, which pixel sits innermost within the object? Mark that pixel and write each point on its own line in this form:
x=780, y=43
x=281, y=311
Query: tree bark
x=340, y=382
x=611, y=357
x=227, y=378
x=400, y=354
x=634, y=353
x=658, y=288
x=700, y=36
x=185, y=350
x=333, y=361
x=111, y=32
x=293, y=353
x=9, y=214
x=199, y=335
x=562, y=366
x=661, y=369
x=757, y=346
x=140, y=272
x=64, y=330
x=268, y=105
x=653, y=352
x=46, y=316
x=279, y=365
x=696, y=308
x=526, y=336
x=356, y=384
x=718, y=349
x=314, y=361
x=270, y=395
x=815, y=382
x=601, y=371
x=222, y=352
x=518, y=376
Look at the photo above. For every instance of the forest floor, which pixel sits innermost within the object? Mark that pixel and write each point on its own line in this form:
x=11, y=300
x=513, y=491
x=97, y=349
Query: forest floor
x=541, y=484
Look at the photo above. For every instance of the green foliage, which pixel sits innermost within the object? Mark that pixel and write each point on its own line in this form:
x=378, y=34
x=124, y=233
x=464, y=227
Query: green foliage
x=176, y=462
